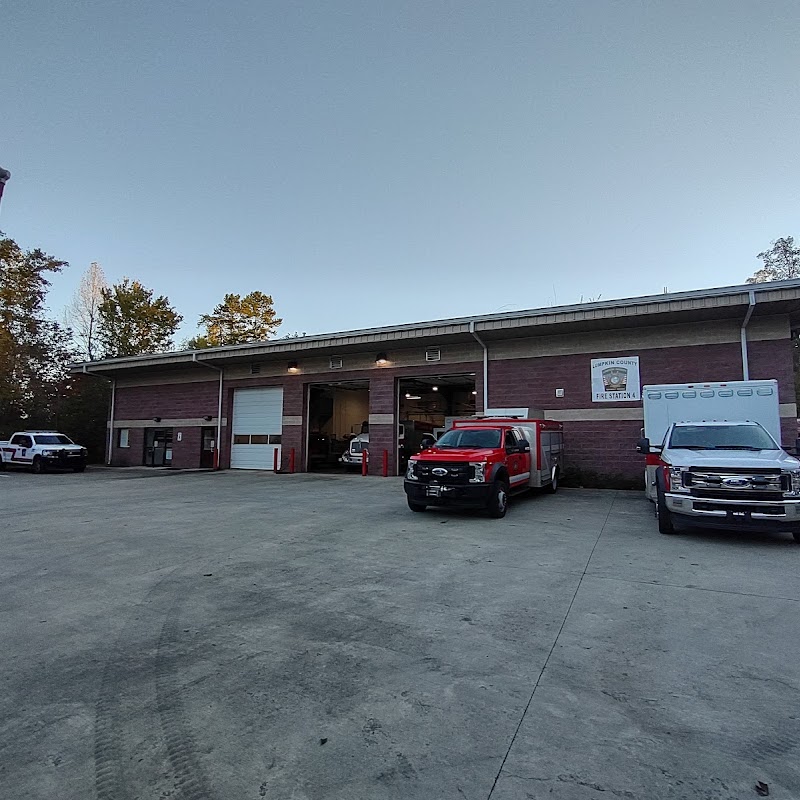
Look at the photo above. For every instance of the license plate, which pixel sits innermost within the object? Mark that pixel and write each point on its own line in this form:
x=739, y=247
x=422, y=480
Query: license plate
x=434, y=491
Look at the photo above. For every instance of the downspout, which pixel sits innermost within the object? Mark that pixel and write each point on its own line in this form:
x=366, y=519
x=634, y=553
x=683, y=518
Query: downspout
x=111, y=422
x=485, y=365
x=743, y=333
x=219, y=407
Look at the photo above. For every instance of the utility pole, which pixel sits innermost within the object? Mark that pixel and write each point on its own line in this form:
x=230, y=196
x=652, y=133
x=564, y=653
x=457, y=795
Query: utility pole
x=4, y=176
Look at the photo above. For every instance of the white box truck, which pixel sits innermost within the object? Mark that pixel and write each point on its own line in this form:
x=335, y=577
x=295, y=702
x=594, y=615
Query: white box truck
x=714, y=457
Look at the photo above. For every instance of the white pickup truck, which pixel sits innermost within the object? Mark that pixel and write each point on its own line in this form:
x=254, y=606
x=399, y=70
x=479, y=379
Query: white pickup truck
x=714, y=458
x=41, y=451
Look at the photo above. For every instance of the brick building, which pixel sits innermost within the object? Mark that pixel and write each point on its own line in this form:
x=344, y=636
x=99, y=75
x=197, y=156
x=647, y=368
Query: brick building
x=191, y=409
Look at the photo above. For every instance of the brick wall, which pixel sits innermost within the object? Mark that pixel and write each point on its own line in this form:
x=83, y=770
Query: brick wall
x=601, y=446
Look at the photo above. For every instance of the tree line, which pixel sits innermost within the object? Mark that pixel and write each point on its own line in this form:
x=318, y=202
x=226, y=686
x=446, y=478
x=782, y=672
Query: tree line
x=126, y=319
x=102, y=321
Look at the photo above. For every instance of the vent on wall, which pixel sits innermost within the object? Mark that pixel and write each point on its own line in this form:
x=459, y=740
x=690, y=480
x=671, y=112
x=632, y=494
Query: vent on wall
x=336, y=362
x=433, y=354
x=255, y=369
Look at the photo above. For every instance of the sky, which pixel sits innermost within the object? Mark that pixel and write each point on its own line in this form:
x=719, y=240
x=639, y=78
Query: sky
x=372, y=163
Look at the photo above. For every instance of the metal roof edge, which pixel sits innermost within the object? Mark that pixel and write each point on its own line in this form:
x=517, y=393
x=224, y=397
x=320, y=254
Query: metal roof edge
x=289, y=345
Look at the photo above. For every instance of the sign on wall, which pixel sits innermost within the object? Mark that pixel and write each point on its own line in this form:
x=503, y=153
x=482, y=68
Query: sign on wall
x=615, y=379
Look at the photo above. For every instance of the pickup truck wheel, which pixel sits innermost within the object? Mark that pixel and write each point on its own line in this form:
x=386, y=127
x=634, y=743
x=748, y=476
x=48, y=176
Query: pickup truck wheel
x=79, y=469
x=415, y=506
x=498, y=500
x=38, y=466
x=664, y=515
x=796, y=535
x=552, y=487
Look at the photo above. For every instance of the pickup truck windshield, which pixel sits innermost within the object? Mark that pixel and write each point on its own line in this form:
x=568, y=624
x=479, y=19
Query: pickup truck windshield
x=721, y=437
x=52, y=438
x=466, y=437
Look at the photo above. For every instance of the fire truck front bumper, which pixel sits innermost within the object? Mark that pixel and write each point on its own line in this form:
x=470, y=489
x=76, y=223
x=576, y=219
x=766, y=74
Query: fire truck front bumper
x=473, y=495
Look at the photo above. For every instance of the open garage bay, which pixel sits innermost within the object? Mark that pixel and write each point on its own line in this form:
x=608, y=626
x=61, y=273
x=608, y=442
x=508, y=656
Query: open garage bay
x=245, y=635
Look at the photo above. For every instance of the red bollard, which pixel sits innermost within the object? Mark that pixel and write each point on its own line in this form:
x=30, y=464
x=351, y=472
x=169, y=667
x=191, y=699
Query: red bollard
x=291, y=461
x=216, y=458
x=364, y=455
x=275, y=461
x=385, y=463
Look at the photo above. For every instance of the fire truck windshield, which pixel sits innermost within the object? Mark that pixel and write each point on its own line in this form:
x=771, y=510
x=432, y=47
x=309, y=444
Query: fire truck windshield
x=470, y=437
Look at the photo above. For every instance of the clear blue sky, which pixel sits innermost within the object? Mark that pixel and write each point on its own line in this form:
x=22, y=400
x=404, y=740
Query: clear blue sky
x=373, y=163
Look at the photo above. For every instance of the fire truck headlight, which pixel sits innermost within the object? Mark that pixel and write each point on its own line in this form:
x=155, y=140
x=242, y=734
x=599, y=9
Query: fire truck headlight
x=410, y=474
x=478, y=471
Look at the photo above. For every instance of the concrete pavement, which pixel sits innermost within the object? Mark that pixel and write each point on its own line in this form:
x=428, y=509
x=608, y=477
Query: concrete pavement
x=238, y=635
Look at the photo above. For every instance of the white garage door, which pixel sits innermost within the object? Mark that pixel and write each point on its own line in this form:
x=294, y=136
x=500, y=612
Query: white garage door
x=257, y=425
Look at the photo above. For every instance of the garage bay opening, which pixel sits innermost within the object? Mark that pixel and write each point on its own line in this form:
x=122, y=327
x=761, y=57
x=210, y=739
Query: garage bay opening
x=338, y=414
x=426, y=408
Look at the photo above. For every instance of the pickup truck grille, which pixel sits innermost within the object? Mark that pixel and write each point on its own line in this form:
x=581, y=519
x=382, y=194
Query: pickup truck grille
x=457, y=472
x=737, y=484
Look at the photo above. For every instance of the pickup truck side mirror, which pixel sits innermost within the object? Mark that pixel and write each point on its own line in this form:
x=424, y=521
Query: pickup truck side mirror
x=643, y=446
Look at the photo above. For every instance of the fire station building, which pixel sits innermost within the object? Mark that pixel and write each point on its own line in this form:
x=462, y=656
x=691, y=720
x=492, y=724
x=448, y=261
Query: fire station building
x=297, y=402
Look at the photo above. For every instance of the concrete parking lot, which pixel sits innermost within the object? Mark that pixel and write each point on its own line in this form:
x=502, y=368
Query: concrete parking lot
x=235, y=635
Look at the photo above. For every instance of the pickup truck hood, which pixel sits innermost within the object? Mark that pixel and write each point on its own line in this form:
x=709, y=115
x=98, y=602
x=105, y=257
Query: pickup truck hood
x=731, y=458
x=455, y=454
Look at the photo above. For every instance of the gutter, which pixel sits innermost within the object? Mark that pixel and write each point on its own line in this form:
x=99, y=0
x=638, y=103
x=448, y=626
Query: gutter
x=219, y=406
x=485, y=365
x=743, y=334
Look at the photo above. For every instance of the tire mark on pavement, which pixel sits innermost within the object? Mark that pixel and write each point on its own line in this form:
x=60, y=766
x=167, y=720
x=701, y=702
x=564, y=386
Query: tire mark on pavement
x=190, y=778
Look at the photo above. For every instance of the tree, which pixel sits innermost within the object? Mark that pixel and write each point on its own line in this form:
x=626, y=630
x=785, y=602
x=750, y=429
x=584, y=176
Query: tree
x=238, y=320
x=131, y=321
x=34, y=351
x=781, y=262
x=84, y=310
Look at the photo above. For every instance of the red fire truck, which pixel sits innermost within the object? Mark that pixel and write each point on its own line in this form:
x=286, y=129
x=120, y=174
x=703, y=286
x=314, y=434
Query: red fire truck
x=480, y=462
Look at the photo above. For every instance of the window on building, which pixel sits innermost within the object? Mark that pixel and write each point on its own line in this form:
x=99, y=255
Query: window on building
x=124, y=437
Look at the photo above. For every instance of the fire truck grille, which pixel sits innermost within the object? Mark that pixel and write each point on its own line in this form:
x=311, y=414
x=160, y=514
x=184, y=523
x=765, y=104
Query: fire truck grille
x=430, y=472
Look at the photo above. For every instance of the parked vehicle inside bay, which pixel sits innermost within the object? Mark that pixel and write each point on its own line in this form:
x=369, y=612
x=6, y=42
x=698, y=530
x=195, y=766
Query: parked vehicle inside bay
x=480, y=462
x=41, y=451
x=715, y=467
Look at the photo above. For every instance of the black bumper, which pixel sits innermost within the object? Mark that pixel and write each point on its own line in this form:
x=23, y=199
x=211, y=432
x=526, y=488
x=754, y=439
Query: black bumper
x=474, y=495
x=63, y=462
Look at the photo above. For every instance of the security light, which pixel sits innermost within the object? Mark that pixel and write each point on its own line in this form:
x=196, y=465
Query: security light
x=435, y=388
x=293, y=367
x=156, y=419
x=381, y=359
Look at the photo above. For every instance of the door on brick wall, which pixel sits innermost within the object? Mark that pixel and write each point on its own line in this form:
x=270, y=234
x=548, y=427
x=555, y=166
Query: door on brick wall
x=257, y=426
x=207, y=444
x=158, y=447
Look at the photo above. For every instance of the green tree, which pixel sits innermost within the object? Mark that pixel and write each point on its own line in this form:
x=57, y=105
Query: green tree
x=131, y=321
x=781, y=262
x=238, y=320
x=34, y=351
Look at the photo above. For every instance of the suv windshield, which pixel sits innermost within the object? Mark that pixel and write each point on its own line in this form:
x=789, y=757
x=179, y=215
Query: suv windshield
x=721, y=437
x=469, y=437
x=52, y=438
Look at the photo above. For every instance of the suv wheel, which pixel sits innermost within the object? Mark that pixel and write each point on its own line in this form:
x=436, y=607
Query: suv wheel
x=498, y=500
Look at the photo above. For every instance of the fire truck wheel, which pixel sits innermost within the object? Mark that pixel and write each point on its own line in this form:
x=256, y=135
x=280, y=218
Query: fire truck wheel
x=38, y=466
x=415, y=506
x=662, y=512
x=498, y=500
x=552, y=487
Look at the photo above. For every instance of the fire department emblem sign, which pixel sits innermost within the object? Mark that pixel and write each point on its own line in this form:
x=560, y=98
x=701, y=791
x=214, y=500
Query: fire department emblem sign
x=615, y=380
